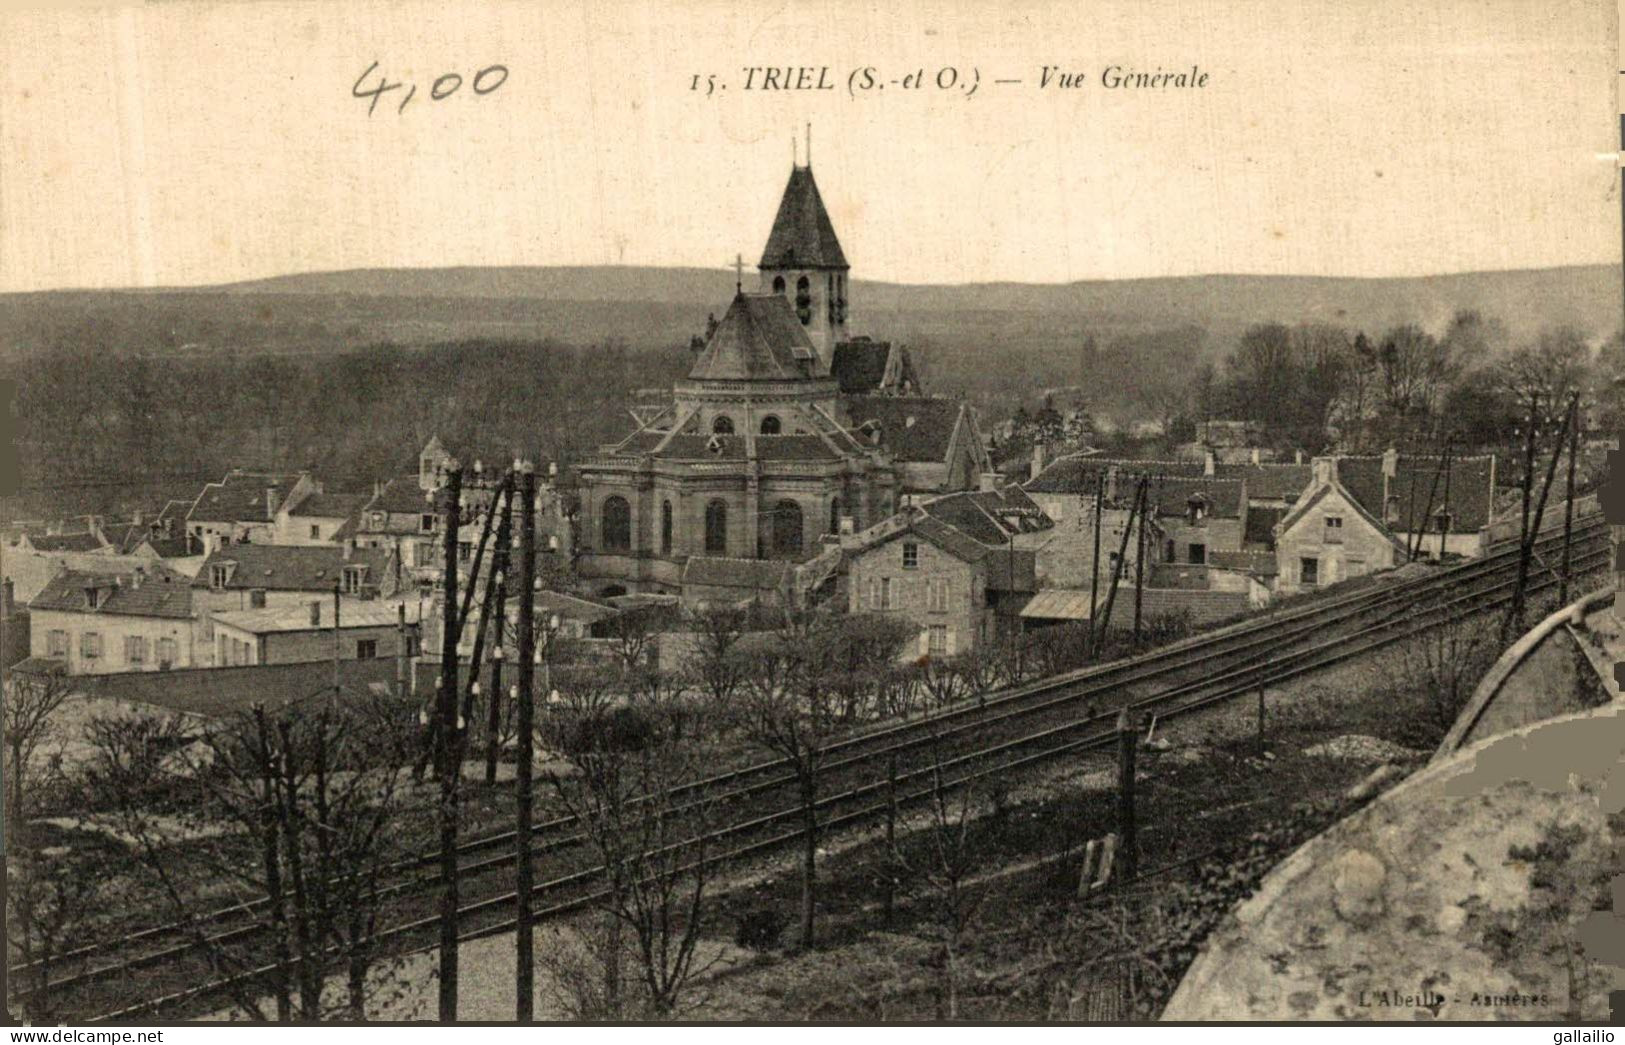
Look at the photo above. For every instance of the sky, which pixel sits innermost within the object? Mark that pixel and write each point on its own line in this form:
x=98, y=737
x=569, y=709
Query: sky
x=184, y=144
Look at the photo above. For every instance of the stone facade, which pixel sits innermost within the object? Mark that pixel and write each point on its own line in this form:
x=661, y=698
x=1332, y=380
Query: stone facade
x=1329, y=537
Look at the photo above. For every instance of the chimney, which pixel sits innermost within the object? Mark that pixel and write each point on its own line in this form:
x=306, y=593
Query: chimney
x=1297, y=457
x=1324, y=469
x=988, y=482
x=1038, y=460
x=316, y=613
x=1390, y=463
x=8, y=597
x=1255, y=457
x=136, y=519
x=1209, y=461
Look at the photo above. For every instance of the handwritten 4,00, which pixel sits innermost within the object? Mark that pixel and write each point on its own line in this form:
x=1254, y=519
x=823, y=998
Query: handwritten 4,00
x=483, y=82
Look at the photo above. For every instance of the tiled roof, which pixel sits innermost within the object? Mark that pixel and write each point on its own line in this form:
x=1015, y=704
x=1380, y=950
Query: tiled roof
x=704, y=448
x=1078, y=473
x=989, y=517
x=66, y=542
x=171, y=547
x=1468, y=499
x=802, y=235
x=794, y=448
x=715, y=571
x=759, y=338
x=860, y=366
x=280, y=567
x=240, y=497
x=1260, y=563
x=332, y=505
x=160, y=593
x=1269, y=482
x=914, y=428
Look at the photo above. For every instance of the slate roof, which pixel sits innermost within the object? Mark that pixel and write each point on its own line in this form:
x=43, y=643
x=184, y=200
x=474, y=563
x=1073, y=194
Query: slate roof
x=332, y=505
x=794, y=448
x=1262, y=564
x=297, y=618
x=161, y=593
x=170, y=547
x=281, y=567
x=860, y=366
x=239, y=497
x=758, y=339
x=1469, y=495
x=1172, y=483
x=917, y=429
x=802, y=235
x=1078, y=473
x=989, y=517
x=401, y=495
x=704, y=448
x=715, y=571
x=1172, y=496
x=66, y=542
x=1269, y=482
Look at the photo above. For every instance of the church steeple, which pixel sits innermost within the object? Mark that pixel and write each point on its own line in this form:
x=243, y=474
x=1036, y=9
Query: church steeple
x=803, y=261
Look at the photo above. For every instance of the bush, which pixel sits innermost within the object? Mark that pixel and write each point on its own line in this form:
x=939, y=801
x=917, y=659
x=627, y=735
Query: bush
x=620, y=729
x=760, y=930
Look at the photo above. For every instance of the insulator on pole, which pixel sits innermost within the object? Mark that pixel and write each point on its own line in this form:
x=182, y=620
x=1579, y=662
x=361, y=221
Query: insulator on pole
x=474, y=689
x=553, y=622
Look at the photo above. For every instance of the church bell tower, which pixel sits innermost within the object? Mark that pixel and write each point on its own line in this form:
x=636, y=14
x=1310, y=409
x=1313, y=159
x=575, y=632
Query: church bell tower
x=803, y=262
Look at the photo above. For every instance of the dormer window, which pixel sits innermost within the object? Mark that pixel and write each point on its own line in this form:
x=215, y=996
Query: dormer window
x=352, y=579
x=219, y=574
x=1196, y=508
x=426, y=523
x=93, y=597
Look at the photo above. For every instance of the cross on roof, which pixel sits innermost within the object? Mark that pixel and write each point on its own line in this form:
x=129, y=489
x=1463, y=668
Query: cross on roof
x=739, y=273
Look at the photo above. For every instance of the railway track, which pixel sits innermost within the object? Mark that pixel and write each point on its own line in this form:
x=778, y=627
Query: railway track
x=163, y=970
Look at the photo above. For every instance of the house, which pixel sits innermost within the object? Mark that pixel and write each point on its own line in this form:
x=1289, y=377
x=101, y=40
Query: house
x=291, y=634
x=281, y=577
x=1195, y=510
x=950, y=567
x=94, y=623
x=242, y=507
x=400, y=518
x=317, y=518
x=1427, y=500
x=1329, y=535
x=15, y=633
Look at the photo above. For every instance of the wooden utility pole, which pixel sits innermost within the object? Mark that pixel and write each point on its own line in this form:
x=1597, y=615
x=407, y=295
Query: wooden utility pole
x=1568, y=500
x=446, y=746
x=524, y=942
x=1525, y=545
x=1139, y=559
x=336, y=651
x=501, y=563
x=400, y=653
x=1094, y=574
x=1127, y=740
x=1117, y=569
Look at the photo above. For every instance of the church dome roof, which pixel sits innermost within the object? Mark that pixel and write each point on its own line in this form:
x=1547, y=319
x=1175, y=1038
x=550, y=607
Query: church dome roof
x=759, y=339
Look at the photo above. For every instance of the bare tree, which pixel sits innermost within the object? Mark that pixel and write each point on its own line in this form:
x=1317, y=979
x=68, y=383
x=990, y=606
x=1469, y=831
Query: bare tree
x=32, y=701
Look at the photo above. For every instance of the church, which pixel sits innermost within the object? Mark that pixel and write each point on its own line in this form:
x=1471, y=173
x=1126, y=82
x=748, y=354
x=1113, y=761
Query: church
x=785, y=431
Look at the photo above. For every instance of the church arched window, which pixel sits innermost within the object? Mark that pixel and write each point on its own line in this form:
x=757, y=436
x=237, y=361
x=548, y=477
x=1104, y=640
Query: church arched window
x=723, y=425
x=778, y=284
x=665, y=527
x=771, y=425
x=834, y=515
x=716, y=528
x=786, y=529
x=804, y=300
x=617, y=525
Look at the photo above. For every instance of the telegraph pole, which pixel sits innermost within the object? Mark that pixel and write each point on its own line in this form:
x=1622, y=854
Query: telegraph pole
x=1568, y=501
x=1127, y=847
x=524, y=956
x=1139, y=560
x=446, y=746
x=1094, y=574
x=501, y=562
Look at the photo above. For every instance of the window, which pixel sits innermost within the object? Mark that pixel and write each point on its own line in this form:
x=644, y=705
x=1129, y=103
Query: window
x=804, y=300
x=938, y=646
x=93, y=597
x=722, y=425
x=352, y=579
x=778, y=284
x=771, y=425
x=315, y=532
x=366, y=649
x=834, y=515
x=886, y=594
x=90, y=645
x=465, y=551
x=616, y=525
x=911, y=555
x=665, y=527
x=936, y=594
x=414, y=646
x=787, y=528
x=1170, y=552
x=166, y=652
x=256, y=599
x=1334, y=529
x=1309, y=571
x=426, y=522
x=716, y=528
x=1198, y=554
x=218, y=576
x=135, y=649
x=56, y=644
